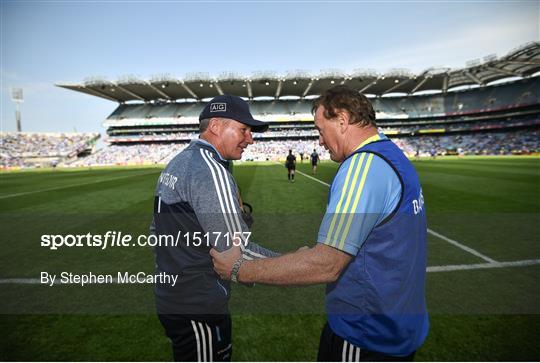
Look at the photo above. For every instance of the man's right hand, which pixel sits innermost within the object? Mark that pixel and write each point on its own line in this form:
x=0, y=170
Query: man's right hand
x=224, y=261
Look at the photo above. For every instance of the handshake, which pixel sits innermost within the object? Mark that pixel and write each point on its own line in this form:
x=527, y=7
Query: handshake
x=227, y=263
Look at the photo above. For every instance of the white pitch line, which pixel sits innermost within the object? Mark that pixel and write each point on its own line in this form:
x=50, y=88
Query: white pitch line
x=477, y=266
x=33, y=281
x=430, y=231
x=20, y=281
x=444, y=268
x=313, y=178
x=71, y=186
x=462, y=246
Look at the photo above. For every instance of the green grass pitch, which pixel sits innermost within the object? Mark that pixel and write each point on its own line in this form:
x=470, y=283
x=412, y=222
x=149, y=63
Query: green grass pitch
x=489, y=204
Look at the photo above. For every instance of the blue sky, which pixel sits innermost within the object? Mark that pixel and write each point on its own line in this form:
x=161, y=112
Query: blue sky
x=46, y=42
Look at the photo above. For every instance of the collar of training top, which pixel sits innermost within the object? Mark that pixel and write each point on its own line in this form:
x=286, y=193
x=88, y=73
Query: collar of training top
x=208, y=146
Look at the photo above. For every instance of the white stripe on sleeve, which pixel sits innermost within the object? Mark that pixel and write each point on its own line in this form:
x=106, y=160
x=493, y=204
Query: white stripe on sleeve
x=229, y=204
x=218, y=191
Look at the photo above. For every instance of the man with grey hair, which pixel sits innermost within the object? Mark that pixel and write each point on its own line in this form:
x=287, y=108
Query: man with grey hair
x=197, y=202
x=371, y=248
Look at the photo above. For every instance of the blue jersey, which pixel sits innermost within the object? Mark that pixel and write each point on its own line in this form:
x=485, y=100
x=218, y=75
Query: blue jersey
x=376, y=214
x=365, y=190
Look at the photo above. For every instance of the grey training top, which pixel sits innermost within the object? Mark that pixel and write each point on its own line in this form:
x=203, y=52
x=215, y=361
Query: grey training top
x=197, y=207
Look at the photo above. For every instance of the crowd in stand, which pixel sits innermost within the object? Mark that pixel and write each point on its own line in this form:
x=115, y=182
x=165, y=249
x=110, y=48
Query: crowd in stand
x=186, y=136
x=295, y=131
x=18, y=147
x=287, y=133
x=135, y=154
x=480, y=143
x=460, y=125
x=143, y=154
x=524, y=141
x=278, y=149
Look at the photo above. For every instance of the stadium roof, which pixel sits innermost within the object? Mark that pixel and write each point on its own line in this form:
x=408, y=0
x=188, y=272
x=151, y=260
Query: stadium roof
x=521, y=62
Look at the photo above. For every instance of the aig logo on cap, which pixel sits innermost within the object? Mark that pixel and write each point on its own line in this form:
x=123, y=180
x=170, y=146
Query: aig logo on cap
x=218, y=107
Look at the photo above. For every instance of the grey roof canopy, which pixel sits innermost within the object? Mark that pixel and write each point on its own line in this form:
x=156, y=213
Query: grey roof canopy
x=521, y=62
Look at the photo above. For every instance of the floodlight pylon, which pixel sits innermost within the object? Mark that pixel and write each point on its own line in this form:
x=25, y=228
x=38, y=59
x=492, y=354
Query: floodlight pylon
x=17, y=98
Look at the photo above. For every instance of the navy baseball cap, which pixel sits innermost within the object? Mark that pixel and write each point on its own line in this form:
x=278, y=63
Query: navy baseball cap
x=233, y=107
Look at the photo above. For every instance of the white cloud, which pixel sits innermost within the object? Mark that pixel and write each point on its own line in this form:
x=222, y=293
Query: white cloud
x=459, y=46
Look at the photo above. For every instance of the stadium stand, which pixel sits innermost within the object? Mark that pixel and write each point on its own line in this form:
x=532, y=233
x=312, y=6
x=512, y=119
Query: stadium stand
x=43, y=149
x=489, y=108
x=136, y=154
x=422, y=125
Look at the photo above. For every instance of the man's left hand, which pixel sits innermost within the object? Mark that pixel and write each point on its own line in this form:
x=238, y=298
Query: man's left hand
x=224, y=261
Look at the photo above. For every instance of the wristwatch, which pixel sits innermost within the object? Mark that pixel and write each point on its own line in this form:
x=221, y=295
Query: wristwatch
x=236, y=268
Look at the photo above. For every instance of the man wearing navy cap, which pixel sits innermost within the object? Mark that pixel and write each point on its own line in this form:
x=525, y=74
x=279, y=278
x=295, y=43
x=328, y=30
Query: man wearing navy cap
x=196, y=201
